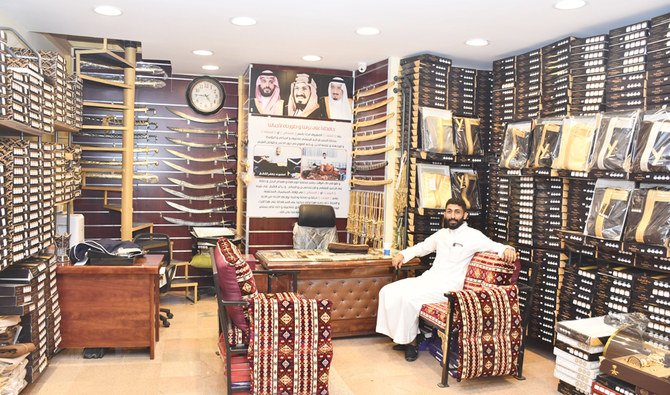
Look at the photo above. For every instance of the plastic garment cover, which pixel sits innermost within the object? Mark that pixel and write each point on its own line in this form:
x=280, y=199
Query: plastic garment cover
x=466, y=132
x=651, y=152
x=577, y=135
x=614, y=140
x=464, y=185
x=609, y=208
x=649, y=217
x=434, y=185
x=312, y=238
x=437, y=134
x=546, y=136
x=515, y=146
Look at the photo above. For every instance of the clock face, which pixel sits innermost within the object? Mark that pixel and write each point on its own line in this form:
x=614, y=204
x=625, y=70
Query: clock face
x=205, y=95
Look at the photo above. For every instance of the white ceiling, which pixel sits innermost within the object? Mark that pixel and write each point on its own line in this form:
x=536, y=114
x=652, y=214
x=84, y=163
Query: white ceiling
x=287, y=30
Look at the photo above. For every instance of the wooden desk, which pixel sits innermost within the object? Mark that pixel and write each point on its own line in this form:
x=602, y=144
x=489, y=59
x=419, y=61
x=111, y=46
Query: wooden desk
x=110, y=306
x=352, y=284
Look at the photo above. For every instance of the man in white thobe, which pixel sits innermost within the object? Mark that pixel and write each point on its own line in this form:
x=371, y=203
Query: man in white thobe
x=400, y=302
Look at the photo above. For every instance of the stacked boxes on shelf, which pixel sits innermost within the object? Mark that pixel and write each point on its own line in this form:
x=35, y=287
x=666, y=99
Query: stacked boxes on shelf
x=588, y=64
x=556, y=82
x=579, y=345
x=626, y=67
x=528, y=85
x=26, y=73
x=53, y=67
x=658, y=63
x=32, y=309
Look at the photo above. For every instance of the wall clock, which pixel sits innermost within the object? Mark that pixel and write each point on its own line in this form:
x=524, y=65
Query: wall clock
x=205, y=95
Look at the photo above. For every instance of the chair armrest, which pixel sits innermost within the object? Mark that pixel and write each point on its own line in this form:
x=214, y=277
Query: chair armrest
x=277, y=273
x=243, y=303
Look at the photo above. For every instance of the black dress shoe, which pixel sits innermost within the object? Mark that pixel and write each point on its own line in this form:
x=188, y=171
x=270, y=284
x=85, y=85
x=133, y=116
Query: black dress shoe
x=411, y=353
x=399, y=347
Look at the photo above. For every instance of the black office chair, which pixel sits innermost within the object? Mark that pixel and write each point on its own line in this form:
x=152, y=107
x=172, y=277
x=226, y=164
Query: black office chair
x=159, y=243
x=315, y=228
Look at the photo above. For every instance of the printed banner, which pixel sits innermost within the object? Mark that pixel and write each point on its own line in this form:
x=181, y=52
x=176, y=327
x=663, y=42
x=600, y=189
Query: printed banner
x=294, y=161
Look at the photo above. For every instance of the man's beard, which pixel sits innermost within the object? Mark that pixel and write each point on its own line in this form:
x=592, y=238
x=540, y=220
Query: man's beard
x=452, y=224
x=267, y=92
x=299, y=105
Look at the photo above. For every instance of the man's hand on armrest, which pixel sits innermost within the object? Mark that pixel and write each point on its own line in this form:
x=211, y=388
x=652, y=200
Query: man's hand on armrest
x=397, y=261
x=509, y=255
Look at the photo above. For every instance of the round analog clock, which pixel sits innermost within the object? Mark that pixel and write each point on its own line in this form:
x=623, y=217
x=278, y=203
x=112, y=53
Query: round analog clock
x=205, y=95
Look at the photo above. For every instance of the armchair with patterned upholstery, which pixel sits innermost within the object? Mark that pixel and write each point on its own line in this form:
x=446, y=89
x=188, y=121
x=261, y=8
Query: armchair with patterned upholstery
x=487, y=324
x=270, y=343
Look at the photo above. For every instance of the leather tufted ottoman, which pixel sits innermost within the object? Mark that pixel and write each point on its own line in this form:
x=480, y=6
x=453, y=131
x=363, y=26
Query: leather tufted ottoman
x=352, y=286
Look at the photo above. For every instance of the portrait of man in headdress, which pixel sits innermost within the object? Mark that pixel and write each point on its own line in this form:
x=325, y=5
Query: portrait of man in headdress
x=303, y=101
x=266, y=100
x=337, y=104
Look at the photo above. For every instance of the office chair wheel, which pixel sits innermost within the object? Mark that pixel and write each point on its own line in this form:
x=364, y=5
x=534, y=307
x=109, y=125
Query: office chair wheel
x=170, y=315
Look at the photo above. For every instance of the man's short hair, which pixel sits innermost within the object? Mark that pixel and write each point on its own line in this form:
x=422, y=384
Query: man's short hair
x=457, y=201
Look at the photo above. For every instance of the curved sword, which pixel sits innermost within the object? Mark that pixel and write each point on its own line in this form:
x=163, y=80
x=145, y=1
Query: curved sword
x=374, y=121
x=370, y=183
x=374, y=151
x=215, y=170
x=193, y=118
x=182, y=184
x=219, y=196
x=196, y=211
x=191, y=144
x=370, y=137
x=368, y=166
x=374, y=106
x=218, y=132
x=194, y=223
x=198, y=159
x=364, y=92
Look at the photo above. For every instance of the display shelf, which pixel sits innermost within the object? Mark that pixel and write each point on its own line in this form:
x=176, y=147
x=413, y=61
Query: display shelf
x=433, y=212
x=103, y=56
x=650, y=177
x=106, y=106
x=101, y=127
x=425, y=155
x=617, y=175
x=61, y=127
x=646, y=249
x=14, y=126
x=104, y=81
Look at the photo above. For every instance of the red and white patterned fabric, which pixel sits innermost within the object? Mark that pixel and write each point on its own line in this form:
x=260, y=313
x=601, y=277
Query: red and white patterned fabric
x=237, y=283
x=436, y=313
x=486, y=269
x=291, y=348
x=490, y=332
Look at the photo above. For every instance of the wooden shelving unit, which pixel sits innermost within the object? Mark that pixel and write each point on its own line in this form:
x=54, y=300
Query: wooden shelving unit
x=105, y=56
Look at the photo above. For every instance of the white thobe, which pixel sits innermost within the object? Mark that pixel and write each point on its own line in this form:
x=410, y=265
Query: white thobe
x=400, y=302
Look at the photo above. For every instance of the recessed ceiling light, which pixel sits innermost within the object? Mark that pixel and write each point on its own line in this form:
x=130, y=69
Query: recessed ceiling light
x=569, y=4
x=210, y=67
x=243, y=21
x=367, y=31
x=203, y=52
x=312, y=58
x=477, y=42
x=107, y=10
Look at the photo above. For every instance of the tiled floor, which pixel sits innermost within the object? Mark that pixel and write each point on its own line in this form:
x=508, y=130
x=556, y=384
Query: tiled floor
x=186, y=363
